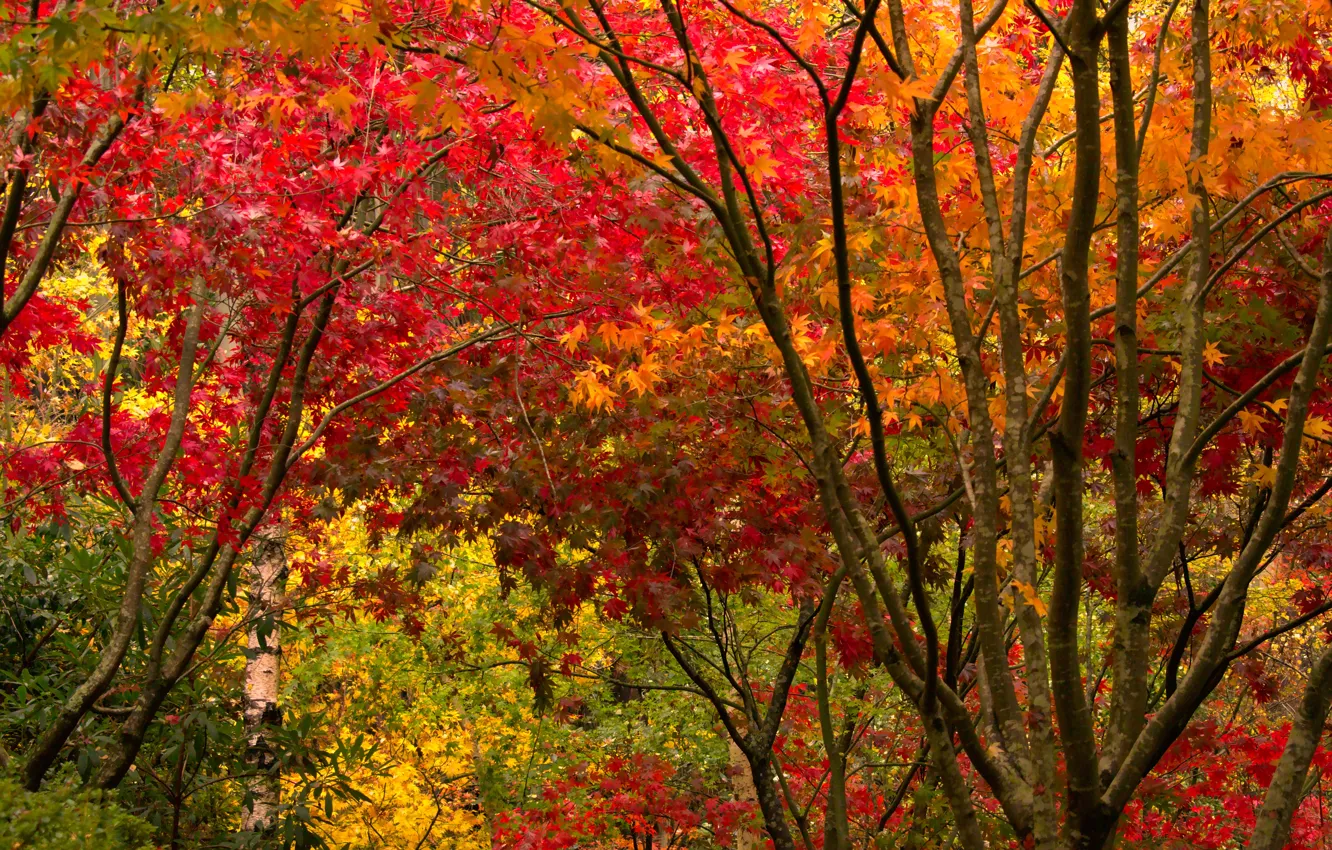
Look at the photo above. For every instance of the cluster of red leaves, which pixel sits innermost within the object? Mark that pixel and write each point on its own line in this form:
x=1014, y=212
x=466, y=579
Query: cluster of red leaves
x=632, y=795
x=1209, y=788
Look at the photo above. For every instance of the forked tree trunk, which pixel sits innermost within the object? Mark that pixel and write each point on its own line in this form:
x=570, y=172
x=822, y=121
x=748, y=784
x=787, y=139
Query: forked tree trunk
x=263, y=670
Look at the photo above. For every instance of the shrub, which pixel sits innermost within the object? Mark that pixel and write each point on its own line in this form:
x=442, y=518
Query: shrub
x=66, y=816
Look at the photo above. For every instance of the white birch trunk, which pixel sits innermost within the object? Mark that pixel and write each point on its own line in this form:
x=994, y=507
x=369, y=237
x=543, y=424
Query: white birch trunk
x=263, y=668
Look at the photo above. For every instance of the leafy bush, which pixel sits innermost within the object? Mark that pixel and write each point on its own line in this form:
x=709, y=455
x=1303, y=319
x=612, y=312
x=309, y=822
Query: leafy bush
x=65, y=816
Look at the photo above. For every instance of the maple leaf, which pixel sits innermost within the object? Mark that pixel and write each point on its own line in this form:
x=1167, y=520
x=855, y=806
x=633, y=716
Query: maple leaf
x=615, y=608
x=573, y=336
x=340, y=100
x=761, y=167
x=1264, y=476
x=642, y=379
x=1251, y=423
x=1212, y=355
x=591, y=392
x=348, y=9
x=174, y=104
x=1031, y=596
x=609, y=333
x=421, y=101
x=568, y=662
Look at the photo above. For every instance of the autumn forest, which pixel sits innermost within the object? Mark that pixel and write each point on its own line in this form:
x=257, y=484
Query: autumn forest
x=665, y=424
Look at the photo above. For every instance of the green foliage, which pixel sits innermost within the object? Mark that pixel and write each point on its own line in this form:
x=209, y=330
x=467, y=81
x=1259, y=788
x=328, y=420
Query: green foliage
x=66, y=816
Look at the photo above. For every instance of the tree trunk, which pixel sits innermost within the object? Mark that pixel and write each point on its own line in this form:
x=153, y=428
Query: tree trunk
x=263, y=667
x=742, y=786
x=1285, y=790
x=479, y=786
x=48, y=747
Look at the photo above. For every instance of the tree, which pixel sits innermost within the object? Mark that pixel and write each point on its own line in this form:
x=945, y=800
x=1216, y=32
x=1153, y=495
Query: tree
x=679, y=94
x=271, y=290
x=978, y=348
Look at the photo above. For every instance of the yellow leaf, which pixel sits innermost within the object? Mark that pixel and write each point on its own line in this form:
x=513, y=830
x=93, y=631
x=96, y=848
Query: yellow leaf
x=571, y=339
x=762, y=167
x=1264, y=476
x=609, y=333
x=173, y=104
x=1212, y=354
x=1252, y=423
x=422, y=99
x=1032, y=597
x=642, y=379
x=340, y=100
x=590, y=392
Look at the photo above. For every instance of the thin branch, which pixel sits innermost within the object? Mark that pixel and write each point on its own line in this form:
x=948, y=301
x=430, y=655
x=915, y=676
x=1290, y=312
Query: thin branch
x=1277, y=631
x=1050, y=25
x=500, y=332
x=113, y=366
